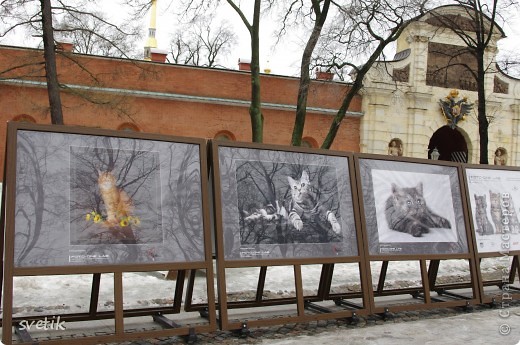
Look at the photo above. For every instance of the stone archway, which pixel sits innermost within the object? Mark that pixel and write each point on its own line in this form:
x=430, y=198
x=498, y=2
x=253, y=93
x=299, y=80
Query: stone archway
x=450, y=143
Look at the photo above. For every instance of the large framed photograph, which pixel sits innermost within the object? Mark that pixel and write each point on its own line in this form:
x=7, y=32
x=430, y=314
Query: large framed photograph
x=494, y=198
x=411, y=208
x=83, y=199
x=277, y=203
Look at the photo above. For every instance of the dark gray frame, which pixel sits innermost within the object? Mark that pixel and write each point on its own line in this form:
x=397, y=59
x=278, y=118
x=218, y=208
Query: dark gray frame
x=440, y=183
x=227, y=236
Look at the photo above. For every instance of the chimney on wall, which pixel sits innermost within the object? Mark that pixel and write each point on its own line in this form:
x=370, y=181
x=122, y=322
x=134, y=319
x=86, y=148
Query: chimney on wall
x=324, y=75
x=158, y=55
x=65, y=46
x=244, y=64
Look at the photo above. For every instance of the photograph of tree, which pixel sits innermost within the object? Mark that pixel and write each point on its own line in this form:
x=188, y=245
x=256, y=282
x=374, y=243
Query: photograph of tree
x=115, y=191
x=285, y=204
x=412, y=208
x=494, y=196
x=89, y=199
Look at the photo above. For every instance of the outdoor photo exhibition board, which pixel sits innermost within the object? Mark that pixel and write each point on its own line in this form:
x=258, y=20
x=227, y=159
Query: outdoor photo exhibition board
x=494, y=198
x=81, y=200
x=412, y=208
x=94, y=199
x=284, y=204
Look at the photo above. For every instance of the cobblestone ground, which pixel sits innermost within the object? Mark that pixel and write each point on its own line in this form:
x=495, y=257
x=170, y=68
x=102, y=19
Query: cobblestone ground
x=256, y=335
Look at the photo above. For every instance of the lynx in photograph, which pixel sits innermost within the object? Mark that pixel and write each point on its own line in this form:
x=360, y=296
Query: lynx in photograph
x=117, y=203
x=304, y=203
x=502, y=208
x=406, y=211
x=483, y=225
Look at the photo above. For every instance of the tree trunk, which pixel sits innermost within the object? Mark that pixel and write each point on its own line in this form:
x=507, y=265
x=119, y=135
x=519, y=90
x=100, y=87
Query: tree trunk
x=483, y=123
x=255, y=111
x=51, y=74
x=305, y=79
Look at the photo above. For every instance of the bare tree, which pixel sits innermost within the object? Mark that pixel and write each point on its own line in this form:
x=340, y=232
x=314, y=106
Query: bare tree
x=92, y=33
x=320, y=10
x=510, y=65
x=356, y=39
x=51, y=74
x=476, y=27
x=202, y=43
x=37, y=17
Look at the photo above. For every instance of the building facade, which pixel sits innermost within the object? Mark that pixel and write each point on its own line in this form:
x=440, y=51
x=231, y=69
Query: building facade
x=402, y=99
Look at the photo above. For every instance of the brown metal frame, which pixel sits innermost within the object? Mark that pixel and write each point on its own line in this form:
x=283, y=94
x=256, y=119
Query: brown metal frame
x=428, y=274
x=342, y=307
x=119, y=313
x=513, y=292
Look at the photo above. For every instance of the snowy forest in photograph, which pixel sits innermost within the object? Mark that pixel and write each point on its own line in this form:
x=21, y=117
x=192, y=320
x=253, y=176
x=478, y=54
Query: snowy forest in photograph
x=83, y=199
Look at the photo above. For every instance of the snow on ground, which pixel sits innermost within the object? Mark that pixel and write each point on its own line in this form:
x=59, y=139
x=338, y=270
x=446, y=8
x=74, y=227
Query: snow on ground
x=44, y=295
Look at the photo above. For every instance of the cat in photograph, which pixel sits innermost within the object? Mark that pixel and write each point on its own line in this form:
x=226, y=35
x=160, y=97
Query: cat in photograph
x=483, y=225
x=304, y=205
x=117, y=203
x=502, y=207
x=406, y=211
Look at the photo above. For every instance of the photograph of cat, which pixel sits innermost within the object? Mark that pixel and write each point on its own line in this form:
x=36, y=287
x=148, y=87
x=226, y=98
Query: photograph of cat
x=118, y=207
x=114, y=196
x=482, y=224
x=409, y=207
x=304, y=203
x=502, y=209
x=406, y=211
x=299, y=208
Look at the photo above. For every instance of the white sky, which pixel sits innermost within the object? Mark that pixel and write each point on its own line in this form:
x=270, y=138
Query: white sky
x=283, y=59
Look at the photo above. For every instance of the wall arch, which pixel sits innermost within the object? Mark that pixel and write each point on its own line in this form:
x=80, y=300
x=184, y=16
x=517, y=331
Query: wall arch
x=24, y=118
x=451, y=144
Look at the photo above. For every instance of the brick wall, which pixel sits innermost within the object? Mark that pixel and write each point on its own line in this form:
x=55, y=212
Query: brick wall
x=167, y=99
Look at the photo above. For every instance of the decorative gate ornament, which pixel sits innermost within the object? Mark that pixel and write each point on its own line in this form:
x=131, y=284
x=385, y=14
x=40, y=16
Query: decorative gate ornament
x=454, y=108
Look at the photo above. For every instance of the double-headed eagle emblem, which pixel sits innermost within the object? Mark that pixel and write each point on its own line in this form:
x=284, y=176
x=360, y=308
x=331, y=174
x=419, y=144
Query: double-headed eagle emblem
x=455, y=109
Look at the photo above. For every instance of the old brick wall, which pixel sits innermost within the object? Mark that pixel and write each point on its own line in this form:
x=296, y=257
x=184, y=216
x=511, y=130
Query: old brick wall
x=167, y=99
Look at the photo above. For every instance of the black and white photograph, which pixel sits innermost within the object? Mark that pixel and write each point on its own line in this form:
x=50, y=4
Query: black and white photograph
x=279, y=204
x=93, y=199
x=412, y=208
x=494, y=198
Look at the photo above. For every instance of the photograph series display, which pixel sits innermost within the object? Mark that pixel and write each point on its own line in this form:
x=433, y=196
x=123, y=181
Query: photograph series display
x=494, y=198
x=93, y=199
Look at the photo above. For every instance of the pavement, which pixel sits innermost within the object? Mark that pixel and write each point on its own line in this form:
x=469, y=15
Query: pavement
x=482, y=324
x=446, y=326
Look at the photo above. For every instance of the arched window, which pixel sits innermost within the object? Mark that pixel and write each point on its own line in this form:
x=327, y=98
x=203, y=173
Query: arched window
x=225, y=135
x=24, y=118
x=127, y=126
x=309, y=142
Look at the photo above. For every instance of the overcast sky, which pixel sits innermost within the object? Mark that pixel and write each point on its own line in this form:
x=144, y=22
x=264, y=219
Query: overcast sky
x=282, y=59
